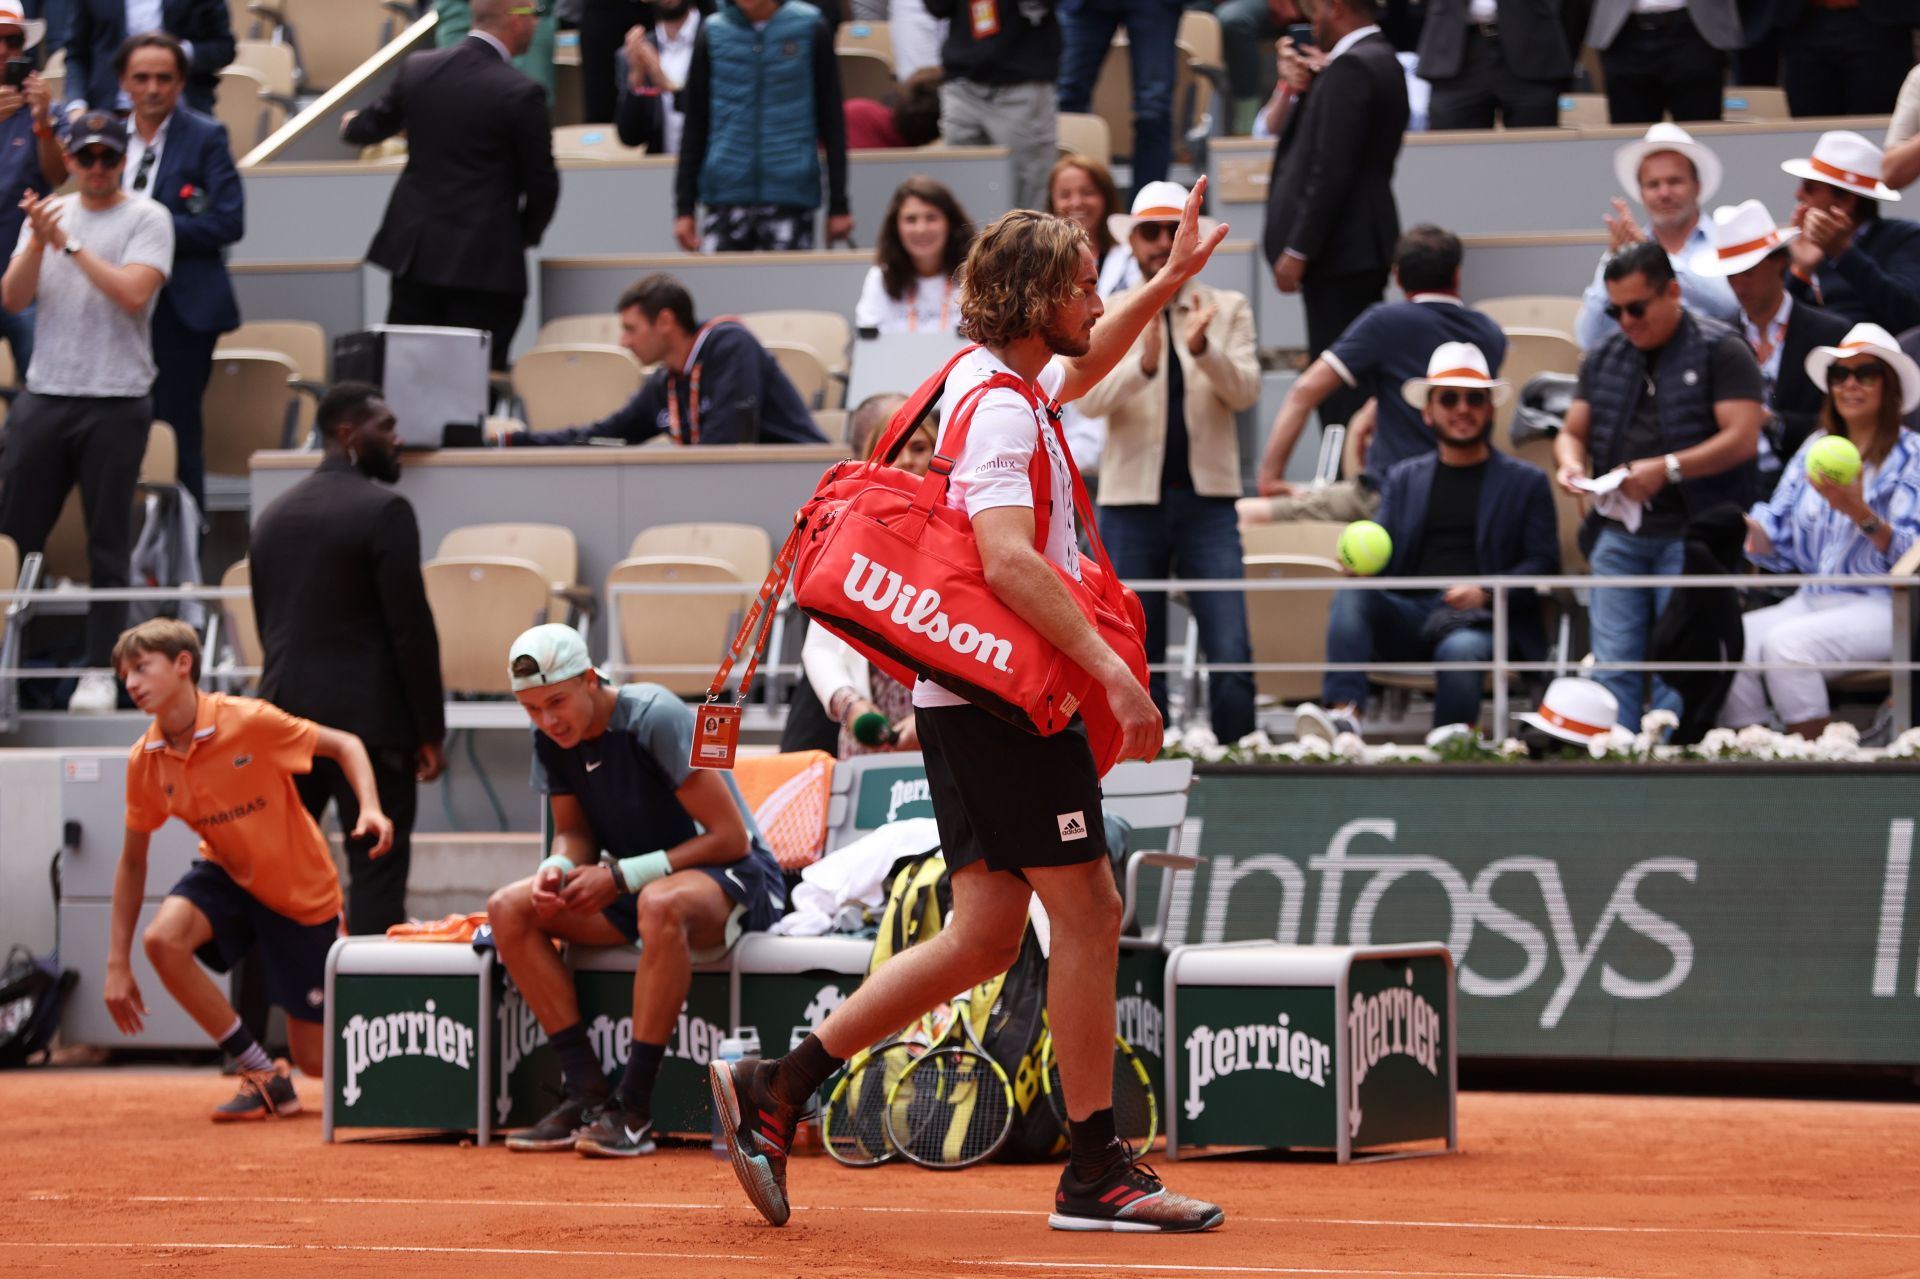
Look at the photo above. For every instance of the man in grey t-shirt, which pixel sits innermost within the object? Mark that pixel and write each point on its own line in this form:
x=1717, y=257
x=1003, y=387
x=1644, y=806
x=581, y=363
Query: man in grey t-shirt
x=94, y=261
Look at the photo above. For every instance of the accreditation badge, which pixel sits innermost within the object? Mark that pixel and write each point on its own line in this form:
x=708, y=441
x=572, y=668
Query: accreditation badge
x=986, y=18
x=716, y=735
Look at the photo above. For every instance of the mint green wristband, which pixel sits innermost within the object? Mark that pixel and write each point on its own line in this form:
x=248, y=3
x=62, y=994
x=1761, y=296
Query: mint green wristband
x=565, y=865
x=635, y=873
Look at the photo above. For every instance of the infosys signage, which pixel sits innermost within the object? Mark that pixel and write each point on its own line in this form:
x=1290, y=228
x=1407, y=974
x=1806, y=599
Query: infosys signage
x=1736, y=914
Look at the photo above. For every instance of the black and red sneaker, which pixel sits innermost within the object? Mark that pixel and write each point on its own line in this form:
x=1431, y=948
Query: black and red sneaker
x=759, y=1132
x=1132, y=1198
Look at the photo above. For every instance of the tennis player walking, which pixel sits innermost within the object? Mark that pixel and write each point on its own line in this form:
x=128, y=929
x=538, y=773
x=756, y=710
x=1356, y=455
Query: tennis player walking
x=1018, y=814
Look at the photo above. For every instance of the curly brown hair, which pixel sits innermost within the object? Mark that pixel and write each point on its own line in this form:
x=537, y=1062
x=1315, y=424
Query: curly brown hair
x=1020, y=268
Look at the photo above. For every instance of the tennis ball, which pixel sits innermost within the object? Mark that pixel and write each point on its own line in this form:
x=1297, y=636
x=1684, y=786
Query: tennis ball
x=1834, y=460
x=1365, y=547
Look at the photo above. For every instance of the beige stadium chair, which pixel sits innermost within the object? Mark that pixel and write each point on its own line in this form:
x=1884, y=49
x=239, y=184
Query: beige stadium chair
x=9, y=563
x=1113, y=97
x=1084, y=134
x=573, y=384
x=1315, y=539
x=243, y=630
x=1568, y=510
x=249, y=407
x=273, y=63
x=871, y=37
x=827, y=332
x=1530, y=352
x=865, y=74
x=242, y=107
x=480, y=603
x=65, y=552
x=591, y=142
x=244, y=21
x=832, y=424
x=744, y=547
x=1750, y=102
x=553, y=547
x=55, y=74
x=1583, y=110
x=1289, y=626
x=303, y=342
x=1552, y=312
x=1200, y=34
x=331, y=38
x=658, y=631
x=589, y=330
x=805, y=369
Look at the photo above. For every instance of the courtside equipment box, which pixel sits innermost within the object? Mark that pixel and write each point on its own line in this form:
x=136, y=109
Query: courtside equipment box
x=1341, y=1048
x=783, y=982
x=409, y=1036
x=529, y=1070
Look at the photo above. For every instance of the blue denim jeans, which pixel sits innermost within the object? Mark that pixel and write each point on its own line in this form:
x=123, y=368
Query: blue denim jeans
x=1086, y=31
x=1385, y=626
x=1199, y=537
x=1623, y=617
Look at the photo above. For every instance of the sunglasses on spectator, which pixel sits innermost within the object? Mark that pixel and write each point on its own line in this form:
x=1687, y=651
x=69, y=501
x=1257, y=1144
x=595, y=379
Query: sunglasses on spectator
x=1154, y=230
x=1638, y=310
x=96, y=157
x=1865, y=374
x=14, y=40
x=1451, y=399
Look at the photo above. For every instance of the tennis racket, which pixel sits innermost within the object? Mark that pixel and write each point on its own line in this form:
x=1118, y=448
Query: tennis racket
x=952, y=1107
x=852, y=1127
x=1136, y=1111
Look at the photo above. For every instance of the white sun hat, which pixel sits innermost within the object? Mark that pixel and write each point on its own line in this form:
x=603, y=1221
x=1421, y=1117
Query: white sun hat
x=1156, y=202
x=1845, y=160
x=1574, y=710
x=1741, y=236
x=1455, y=364
x=1869, y=339
x=1667, y=137
x=13, y=15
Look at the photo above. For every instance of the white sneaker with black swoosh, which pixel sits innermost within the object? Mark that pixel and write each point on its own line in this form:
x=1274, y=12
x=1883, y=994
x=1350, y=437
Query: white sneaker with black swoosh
x=615, y=1130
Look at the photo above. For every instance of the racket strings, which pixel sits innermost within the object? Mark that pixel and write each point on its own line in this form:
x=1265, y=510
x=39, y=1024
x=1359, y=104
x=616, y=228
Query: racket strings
x=950, y=1109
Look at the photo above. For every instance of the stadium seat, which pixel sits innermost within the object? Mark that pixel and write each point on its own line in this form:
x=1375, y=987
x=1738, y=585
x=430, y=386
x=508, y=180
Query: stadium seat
x=1583, y=110
x=249, y=407
x=865, y=74
x=869, y=37
x=1289, y=626
x=832, y=424
x=1749, y=102
x=745, y=547
x=553, y=547
x=1568, y=510
x=242, y=19
x=1113, y=97
x=577, y=330
x=242, y=630
x=591, y=142
x=692, y=631
x=1555, y=313
x=1201, y=36
x=65, y=552
x=1530, y=352
x=55, y=74
x=9, y=563
x=827, y=332
x=303, y=342
x=273, y=63
x=331, y=38
x=242, y=106
x=1317, y=539
x=1084, y=134
x=573, y=384
x=806, y=370
x=480, y=604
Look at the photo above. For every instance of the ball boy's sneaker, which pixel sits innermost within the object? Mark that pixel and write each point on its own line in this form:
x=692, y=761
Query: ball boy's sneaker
x=264, y=1094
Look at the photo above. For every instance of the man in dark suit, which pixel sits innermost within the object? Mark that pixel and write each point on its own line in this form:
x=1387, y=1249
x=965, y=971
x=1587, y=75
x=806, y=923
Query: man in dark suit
x=181, y=158
x=1331, y=219
x=1841, y=58
x=1852, y=259
x=1669, y=62
x=204, y=29
x=480, y=185
x=349, y=640
x=1488, y=56
x=1753, y=255
x=1463, y=513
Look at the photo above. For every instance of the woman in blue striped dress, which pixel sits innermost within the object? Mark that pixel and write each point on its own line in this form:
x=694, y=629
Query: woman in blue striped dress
x=1813, y=526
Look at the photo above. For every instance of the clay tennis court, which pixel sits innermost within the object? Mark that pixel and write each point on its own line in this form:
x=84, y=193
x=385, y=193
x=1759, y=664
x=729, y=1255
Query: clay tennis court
x=117, y=1172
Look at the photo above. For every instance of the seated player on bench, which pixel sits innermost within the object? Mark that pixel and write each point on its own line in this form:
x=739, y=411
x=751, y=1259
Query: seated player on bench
x=225, y=766
x=645, y=850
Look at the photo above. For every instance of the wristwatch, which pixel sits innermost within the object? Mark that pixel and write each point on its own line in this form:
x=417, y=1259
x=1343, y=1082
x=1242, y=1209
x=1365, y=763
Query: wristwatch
x=71, y=247
x=1673, y=469
x=1869, y=526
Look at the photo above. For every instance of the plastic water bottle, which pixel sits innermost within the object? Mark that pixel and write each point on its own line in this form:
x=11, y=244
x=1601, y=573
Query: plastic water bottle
x=732, y=1048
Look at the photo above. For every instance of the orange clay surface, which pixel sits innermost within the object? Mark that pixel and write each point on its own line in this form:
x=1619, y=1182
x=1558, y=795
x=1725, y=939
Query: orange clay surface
x=118, y=1172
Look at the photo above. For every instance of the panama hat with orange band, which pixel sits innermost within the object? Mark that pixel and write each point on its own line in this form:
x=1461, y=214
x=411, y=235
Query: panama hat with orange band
x=1156, y=202
x=1574, y=710
x=1845, y=160
x=1458, y=364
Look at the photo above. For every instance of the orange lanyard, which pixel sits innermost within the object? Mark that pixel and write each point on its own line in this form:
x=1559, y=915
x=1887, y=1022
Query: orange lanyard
x=913, y=307
x=692, y=433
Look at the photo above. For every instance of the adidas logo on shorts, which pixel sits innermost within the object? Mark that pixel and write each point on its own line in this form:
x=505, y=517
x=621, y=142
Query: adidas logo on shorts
x=1072, y=826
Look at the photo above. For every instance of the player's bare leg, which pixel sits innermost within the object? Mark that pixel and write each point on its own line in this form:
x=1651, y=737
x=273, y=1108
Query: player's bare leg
x=678, y=915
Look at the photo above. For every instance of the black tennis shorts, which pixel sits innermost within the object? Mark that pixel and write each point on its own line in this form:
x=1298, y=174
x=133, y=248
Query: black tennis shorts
x=293, y=955
x=1007, y=797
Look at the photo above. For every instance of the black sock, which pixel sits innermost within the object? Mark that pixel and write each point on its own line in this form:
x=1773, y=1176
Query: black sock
x=799, y=1074
x=1095, y=1145
x=578, y=1066
x=643, y=1067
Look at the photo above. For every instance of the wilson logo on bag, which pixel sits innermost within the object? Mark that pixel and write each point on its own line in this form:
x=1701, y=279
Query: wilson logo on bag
x=880, y=559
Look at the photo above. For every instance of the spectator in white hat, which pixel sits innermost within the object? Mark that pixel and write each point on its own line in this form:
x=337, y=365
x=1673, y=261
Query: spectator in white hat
x=1171, y=469
x=1753, y=255
x=1811, y=525
x=1852, y=260
x=1462, y=514
x=1671, y=176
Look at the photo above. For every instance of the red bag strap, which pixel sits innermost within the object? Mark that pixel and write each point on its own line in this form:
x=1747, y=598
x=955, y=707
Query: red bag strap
x=1082, y=500
x=757, y=625
x=908, y=417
